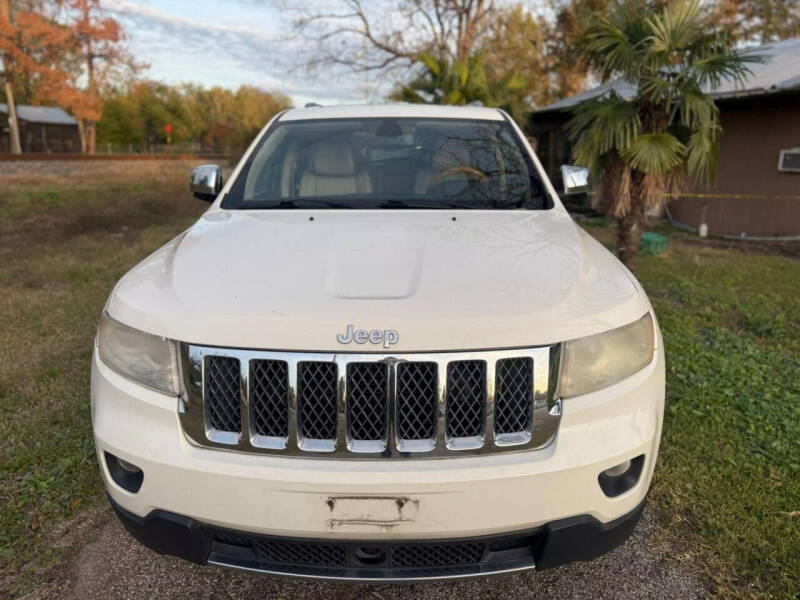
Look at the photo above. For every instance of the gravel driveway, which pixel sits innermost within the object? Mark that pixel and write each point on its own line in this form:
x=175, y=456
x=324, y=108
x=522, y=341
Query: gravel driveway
x=115, y=566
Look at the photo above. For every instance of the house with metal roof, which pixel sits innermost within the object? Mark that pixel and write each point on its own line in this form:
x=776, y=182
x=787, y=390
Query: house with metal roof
x=41, y=129
x=757, y=190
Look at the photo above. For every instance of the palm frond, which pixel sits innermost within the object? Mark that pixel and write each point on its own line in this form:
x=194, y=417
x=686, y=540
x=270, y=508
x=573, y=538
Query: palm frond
x=702, y=151
x=654, y=153
x=612, y=119
x=712, y=69
x=405, y=93
x=585, y=153
x=696, y=109
x=676, y=26
x=431, y=63
x=615, y=42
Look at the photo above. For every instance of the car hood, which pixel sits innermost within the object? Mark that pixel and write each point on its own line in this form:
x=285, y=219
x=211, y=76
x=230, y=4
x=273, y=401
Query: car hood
x=444, y=280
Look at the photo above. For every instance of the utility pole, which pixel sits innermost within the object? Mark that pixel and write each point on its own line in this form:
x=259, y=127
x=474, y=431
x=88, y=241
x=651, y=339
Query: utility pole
x=13, y=125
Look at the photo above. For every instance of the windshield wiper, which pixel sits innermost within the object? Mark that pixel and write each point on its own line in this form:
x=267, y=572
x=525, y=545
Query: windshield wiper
x=308, y=203
x=426, y=203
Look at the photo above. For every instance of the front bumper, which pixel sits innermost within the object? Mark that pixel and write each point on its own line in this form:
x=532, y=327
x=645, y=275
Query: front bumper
x=551, y=545
x=346, y=501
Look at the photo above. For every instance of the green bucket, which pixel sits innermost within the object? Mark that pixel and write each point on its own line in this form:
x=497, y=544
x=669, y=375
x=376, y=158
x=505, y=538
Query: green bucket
x=653, y=244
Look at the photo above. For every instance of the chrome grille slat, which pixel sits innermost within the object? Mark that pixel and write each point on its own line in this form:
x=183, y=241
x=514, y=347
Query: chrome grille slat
x=370, y=405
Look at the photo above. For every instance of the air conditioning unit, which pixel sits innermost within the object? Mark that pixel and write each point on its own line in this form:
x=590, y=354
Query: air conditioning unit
x=789, y=162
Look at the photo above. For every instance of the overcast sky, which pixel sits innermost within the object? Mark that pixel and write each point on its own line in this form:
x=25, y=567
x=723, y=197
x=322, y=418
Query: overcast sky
x=230, y=43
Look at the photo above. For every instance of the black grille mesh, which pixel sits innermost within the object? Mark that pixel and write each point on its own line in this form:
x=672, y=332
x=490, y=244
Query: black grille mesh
x=367, y=397
x=513, y=395
x=222, y=393
x=416, y=400
x=301, y=554
x=466, y=397
x=269, y=396
x=439, y=555
x=316, y=397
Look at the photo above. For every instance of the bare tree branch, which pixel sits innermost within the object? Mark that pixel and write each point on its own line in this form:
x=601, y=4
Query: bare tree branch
x=380, y=37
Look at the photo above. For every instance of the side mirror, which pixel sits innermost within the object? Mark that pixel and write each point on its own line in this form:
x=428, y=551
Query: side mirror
x=206, y=182
x=576, y=179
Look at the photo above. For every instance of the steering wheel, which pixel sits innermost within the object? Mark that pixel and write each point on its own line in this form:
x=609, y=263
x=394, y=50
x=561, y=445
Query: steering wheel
x=470, y=172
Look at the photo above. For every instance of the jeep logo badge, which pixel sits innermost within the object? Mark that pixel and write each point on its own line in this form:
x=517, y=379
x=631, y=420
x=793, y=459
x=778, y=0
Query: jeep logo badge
x=373, y=336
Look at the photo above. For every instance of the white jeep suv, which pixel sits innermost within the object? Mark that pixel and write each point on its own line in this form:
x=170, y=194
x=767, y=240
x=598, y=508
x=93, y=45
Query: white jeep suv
x=385, y=352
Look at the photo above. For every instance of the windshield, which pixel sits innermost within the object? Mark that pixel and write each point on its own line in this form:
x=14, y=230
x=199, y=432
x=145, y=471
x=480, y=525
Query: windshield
x=389, y=163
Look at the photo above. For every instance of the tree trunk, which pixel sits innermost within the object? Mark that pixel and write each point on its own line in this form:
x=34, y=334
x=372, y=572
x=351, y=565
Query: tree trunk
x=631, y=227
x=13, y=123
x=90, y=127
x=82, y=132
x=91, y=137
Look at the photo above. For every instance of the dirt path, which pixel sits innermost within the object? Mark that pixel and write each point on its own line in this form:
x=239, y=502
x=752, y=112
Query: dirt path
x=115, y=566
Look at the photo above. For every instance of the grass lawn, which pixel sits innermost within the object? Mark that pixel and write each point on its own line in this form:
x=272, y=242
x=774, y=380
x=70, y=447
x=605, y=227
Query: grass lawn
x=727, y=487
x=63, y=245
x=727, y=484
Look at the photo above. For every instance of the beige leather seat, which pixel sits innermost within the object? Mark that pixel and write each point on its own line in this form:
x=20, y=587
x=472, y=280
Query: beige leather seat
x=333, y=171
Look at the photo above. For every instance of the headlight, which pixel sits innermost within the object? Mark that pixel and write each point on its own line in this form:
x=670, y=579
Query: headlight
x=597, y=361
x=145, y=358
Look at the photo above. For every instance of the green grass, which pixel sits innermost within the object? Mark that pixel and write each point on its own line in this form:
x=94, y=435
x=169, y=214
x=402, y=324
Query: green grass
x=62, y=251
x=727, y=486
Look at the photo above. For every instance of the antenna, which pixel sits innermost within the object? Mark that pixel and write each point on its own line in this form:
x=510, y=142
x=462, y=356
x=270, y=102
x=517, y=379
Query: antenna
x=312, y=104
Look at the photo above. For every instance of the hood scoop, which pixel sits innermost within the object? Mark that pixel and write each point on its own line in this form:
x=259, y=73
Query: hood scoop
x=376, y=263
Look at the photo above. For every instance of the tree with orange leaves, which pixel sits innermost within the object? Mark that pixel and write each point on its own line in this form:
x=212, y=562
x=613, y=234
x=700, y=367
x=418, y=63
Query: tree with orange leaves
x=98, y=53
x=27, y=47
x=68, y=55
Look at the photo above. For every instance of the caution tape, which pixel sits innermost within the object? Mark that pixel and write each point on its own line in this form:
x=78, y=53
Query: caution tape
x=730, y=196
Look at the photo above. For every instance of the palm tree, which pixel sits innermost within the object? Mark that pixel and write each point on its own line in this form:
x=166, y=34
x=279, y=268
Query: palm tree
x=644, y=146
x=441, y=80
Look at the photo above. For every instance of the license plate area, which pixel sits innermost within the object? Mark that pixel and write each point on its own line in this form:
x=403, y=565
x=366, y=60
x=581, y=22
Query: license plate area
x=380, y=511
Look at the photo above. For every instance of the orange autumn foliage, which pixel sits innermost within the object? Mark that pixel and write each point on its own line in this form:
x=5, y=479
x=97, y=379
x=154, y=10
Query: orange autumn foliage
x=63, y=54
x=32, y=47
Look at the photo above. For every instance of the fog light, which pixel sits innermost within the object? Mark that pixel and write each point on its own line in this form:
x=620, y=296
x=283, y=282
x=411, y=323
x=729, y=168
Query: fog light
x=618, y=470
x=622, y=477
x=128, y=466
x=126, y=475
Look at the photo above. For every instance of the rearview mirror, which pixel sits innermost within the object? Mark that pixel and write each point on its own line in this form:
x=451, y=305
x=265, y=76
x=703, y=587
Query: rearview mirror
x=206, y=182
x=576, y=179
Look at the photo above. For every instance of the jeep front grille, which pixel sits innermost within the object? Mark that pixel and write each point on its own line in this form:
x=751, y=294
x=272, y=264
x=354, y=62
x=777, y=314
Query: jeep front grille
x=370, y=405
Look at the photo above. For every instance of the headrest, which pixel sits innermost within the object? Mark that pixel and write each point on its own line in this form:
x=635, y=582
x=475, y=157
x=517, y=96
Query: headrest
x=333, y=158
